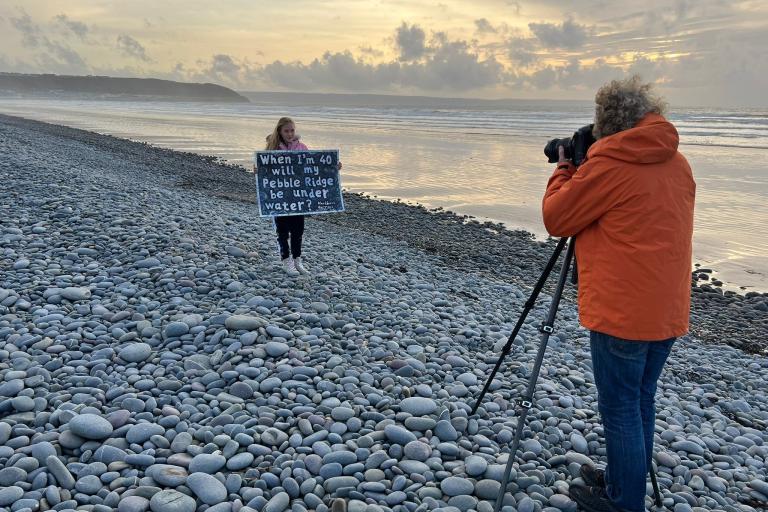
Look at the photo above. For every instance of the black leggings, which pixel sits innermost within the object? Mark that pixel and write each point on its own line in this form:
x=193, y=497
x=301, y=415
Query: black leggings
x=293, y=226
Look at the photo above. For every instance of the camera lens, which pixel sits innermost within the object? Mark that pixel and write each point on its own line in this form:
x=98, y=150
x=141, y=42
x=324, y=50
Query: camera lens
x=551, y=151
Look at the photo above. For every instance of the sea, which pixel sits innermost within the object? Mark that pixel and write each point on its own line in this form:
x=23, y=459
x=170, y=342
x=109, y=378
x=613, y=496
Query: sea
x=475, y=157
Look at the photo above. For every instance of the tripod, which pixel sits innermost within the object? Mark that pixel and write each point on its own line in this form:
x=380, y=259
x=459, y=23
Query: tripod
x=546, y=329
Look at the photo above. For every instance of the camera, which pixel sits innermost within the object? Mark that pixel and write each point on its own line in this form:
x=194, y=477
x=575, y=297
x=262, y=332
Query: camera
x=575, y=148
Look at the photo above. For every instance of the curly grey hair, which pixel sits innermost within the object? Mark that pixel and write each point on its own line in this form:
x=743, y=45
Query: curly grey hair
x=620, y=104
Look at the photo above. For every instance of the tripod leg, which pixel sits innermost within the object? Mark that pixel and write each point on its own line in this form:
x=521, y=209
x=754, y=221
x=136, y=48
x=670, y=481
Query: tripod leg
x=526, y=402
x=511, y=460
x=655, y=484
x=526, y=309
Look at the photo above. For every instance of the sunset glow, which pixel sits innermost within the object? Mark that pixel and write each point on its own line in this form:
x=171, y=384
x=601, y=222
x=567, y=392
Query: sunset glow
x=492, y=48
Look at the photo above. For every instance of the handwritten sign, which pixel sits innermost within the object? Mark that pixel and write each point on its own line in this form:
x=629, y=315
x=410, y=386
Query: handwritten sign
x=298, y=182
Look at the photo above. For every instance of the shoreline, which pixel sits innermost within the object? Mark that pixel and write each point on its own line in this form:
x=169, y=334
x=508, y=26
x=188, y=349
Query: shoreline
x=465, y=243
x=152, y=349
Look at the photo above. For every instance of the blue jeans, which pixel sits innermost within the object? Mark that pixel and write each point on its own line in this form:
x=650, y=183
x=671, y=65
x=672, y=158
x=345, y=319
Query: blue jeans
x=626, y=373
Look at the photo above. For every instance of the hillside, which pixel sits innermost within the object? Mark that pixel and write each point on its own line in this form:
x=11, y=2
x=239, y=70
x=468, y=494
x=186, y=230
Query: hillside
x=112, y=87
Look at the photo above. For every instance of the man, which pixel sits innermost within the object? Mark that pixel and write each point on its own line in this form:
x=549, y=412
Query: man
x=630, y=207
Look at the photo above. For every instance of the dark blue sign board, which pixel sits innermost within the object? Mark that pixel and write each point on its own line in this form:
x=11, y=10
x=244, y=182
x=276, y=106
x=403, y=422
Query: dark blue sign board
x=298, y=182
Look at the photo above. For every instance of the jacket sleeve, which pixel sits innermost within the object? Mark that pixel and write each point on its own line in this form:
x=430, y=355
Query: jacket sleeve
x=574, y=200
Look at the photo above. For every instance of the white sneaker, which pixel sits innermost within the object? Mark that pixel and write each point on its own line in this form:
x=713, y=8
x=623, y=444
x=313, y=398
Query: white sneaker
x=297, y=262
x=289, y=267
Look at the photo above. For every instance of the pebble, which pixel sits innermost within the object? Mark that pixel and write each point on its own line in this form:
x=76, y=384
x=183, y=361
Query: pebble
x=446, y=431
x=90, y=426
x=278, y=503
x=342, y=413
x=398, y=435
x=76, y=293
x=89, y=484
x=171, y=501
x=10, y=495
x=417, y=450
x=526, y=505
x=136, y=352
x=207, y=463
x=243, y=322
x=241, y=390
x=176, y=329
x=42, y=450
x=133, y=504
x=487, y=489
x=207, y=488
x=167, y=474
x=456, y=486
x=235, y=251
x=276, y=348
x=12, y=475
x=688, y=446
x=60, y=472
x=579, y=443
x=141, y=432
x=562, y=502
x=418, y=406
x=475, y=465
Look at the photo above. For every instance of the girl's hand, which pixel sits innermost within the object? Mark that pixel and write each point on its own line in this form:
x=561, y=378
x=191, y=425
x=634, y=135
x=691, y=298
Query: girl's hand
x=338, y=166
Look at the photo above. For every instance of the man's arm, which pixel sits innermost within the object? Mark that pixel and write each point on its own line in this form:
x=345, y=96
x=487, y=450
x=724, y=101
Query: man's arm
x=574, y=200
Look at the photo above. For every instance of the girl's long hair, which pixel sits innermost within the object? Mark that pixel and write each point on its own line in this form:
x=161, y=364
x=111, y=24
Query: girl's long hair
x=274, y=139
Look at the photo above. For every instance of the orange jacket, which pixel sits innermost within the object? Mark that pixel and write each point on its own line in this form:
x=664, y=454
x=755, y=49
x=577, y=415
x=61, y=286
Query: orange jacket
x=630, y=206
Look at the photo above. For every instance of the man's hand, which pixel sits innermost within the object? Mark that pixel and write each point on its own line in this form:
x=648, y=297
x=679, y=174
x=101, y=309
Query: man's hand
x=561, y=156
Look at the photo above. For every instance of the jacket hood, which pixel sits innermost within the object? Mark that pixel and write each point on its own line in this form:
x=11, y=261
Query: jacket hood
x=652, y=140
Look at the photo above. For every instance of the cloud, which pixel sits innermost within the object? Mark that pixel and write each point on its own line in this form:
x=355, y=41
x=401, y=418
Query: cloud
x=445, y=65
x=371, y=51
x=568, y=34
x=575, y=76
x=515, y=6
x=51, y=55
x=410, y=42
x=333, y=70
x=30, y=31
x=453, y=66
x=223, y=67
x=220, y=68
x=483, y=26
x=78, y=28
x=132, y=48
x=61, y=59
x=522, y=51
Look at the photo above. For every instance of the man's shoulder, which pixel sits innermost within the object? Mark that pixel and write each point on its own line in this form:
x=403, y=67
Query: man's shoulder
x=599, y=164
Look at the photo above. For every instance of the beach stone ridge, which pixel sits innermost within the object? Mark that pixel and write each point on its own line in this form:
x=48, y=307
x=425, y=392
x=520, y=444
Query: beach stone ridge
x=154, y=357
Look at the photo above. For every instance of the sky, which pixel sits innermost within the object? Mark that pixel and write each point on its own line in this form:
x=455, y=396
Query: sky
x=698, y=52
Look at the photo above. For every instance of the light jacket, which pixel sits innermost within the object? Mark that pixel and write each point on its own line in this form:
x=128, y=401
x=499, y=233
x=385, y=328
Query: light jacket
x=630, y=206
x=294, y=145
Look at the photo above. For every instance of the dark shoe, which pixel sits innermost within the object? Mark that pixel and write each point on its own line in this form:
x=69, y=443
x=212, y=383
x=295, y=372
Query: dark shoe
x=592, y=476
x=592, y=499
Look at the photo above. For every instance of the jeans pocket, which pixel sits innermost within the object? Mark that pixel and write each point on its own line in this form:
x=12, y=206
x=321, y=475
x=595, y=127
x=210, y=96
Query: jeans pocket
x=627, y=349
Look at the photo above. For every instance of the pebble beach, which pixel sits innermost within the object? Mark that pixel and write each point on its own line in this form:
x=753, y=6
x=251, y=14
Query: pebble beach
x=153, y=356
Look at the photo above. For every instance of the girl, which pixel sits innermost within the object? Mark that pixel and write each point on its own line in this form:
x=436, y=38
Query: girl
x=284, y=137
